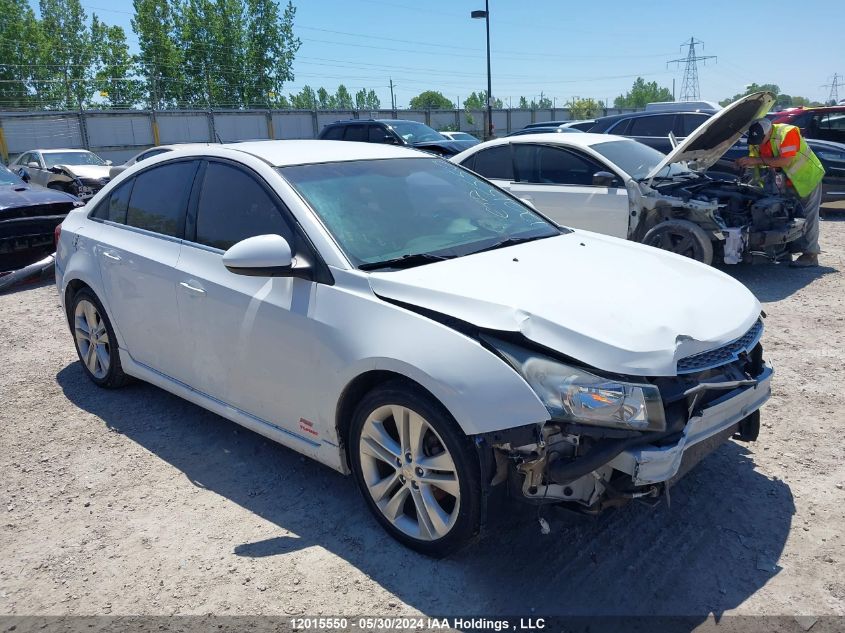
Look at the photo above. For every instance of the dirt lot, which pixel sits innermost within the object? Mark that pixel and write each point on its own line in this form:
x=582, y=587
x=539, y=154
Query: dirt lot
x=134, y=501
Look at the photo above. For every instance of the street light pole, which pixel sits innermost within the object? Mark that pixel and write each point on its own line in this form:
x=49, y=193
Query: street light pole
x=486, y=15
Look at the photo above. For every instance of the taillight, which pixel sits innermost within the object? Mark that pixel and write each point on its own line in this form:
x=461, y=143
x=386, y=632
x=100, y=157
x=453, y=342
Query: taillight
x=57, y=233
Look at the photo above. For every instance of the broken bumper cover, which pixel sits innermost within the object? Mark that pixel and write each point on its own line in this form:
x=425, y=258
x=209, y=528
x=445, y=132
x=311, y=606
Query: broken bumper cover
x=653, y=464
x=772, y=237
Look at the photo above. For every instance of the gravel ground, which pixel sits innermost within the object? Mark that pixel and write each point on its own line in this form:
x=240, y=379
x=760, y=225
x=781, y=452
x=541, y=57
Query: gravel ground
x=137, y=502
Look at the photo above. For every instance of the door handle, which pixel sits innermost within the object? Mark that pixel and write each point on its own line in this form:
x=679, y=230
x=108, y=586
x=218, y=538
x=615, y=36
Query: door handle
x=194, y=289
x=111, y=256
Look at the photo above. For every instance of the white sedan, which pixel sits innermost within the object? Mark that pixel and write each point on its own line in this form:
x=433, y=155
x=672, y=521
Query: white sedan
x=395, y=317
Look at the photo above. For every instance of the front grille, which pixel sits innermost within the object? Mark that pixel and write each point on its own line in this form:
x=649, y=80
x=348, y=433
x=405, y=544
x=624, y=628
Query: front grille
x=722, y=355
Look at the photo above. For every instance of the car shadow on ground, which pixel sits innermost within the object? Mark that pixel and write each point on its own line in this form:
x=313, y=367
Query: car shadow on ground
x=773, y=282
x=716, y=544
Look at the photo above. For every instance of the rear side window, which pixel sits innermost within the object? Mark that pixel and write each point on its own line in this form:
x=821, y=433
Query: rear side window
x=234, y=206
x=159, y=198
x=334, y=133
x=356, y=133
x=150, y=154
x=494, y=163
x=114, y=207
x=659, y=125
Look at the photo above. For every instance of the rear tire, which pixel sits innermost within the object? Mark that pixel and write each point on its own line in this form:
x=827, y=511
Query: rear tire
x=95, y=341
x=417, y=471
x=681, y=237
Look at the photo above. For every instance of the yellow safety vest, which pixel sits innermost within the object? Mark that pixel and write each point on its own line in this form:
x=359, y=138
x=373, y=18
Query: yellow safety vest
x=804, y=170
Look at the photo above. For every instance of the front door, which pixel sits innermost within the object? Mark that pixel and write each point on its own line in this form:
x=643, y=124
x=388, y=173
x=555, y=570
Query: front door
x=558, y=182
x=250, y=341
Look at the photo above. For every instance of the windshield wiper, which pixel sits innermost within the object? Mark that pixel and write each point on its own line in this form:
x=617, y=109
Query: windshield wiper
x=406, y=261
x=511, y=241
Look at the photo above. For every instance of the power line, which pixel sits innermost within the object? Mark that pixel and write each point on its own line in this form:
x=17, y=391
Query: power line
x=689, y=87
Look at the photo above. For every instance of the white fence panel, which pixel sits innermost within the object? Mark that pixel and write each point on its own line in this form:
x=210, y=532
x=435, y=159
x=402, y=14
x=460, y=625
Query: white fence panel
x=236, y=127
x=324, y=118
x=113, y=130
x=412, y=115
x=519, y=119
x=183, y=128
x=43, y=132
x=293, y=125
x=441, y=119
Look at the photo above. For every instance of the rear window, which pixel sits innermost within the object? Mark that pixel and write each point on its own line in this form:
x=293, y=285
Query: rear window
x=334, y=133
x=159, y=198
x=659, y=125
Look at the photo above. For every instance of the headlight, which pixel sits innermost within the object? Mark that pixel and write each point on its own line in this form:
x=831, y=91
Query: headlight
x=575, y=395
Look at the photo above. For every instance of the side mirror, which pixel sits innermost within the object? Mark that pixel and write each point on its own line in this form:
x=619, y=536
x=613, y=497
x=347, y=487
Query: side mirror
x=264, y=256
x=32, y=165
x=24, y=174
x=108, y=162
x=603, y=179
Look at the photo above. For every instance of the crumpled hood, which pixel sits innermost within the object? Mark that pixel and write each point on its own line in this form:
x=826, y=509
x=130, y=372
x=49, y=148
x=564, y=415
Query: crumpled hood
x=717, y=135
x=615, y=305
x=28, y=195
x=95, y=172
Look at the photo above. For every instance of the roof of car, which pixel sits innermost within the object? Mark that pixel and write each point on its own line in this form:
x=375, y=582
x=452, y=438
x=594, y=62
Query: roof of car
x=585, y=139
x=300, y=152
x=57, y=150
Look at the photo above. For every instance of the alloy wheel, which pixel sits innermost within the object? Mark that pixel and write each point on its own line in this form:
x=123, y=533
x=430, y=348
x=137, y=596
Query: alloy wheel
x=92, y=338
x=409, y=472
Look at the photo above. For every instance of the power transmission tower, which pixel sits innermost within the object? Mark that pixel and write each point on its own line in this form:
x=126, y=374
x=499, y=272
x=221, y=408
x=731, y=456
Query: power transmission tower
x=833, y=99
x=689, y=86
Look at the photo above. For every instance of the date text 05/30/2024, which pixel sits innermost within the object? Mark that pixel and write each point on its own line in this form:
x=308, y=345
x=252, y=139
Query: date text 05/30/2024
x=416, y=623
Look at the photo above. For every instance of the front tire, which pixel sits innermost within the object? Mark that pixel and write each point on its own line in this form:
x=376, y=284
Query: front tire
x=95, y=341
x=681, y=237
x=417, y=471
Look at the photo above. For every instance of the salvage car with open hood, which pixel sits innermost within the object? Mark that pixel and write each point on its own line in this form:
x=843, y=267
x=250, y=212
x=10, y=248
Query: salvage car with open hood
x=614, y=185
x=396, y=317
x=75, y=171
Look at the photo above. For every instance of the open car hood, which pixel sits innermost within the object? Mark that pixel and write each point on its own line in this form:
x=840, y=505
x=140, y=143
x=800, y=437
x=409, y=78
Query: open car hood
x=714, y=137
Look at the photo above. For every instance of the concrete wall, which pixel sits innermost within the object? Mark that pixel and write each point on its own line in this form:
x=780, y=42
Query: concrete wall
x=118, y=135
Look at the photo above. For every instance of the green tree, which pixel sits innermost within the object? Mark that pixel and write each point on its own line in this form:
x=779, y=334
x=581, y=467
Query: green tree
x=373, y=102
x=478, y=101
x=752, y=88
x=20, y=37
x=584, y=108
x=523, y=104
x=66, y=54
x=641, y=93
x=431, y=100
x=159, y=62
x=113, y=66
x=343, y=99
x=305, y=99
x=270, y=50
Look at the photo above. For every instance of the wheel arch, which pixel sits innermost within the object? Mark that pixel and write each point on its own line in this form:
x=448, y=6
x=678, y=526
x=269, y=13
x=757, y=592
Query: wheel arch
x=359, y=387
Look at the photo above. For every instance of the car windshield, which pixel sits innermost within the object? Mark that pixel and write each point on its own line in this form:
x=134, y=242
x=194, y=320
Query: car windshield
x=414, y=132
x=382, y=210
x=636, y=159
x=8, y=178
x=51, y=159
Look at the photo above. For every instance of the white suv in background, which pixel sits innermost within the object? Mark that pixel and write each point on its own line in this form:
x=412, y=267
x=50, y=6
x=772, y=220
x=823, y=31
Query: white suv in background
x=394, y=316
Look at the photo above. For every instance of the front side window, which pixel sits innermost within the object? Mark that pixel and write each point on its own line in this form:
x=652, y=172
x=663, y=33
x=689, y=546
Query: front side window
x=494, y=163
x=691, y=122
x=550, y=165
x=51, y=159
x=356, y=133
x=160, y=197
x=381, y=210
x=234, y=206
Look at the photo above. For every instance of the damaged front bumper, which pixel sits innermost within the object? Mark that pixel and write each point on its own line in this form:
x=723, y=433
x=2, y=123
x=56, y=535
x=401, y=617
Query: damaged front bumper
x=564, y=467
x=652, y=464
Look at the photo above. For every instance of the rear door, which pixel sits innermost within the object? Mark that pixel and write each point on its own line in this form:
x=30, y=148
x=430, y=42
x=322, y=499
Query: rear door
x=249, y=341
x=138, y=248
x=559, y=183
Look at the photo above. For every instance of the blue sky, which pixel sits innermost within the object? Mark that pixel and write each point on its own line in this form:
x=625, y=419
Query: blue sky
x=588, y=49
